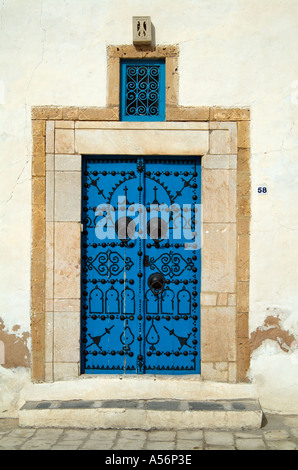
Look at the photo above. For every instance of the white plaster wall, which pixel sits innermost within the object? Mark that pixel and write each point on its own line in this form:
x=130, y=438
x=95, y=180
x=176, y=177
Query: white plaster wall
x=12, y=383
x=232, y=53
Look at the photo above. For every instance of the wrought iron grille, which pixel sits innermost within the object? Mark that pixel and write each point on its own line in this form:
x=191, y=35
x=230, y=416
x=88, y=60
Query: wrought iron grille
x=143, y=90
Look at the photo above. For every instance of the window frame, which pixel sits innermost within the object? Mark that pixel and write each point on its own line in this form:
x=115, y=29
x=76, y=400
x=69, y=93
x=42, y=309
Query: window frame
x=161, y=116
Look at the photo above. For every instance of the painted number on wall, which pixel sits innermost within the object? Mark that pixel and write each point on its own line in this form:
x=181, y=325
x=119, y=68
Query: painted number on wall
x=262, y=189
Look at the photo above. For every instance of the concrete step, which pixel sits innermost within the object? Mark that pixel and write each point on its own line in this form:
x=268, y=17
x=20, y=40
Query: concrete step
x=150, y=387
x=142, y=414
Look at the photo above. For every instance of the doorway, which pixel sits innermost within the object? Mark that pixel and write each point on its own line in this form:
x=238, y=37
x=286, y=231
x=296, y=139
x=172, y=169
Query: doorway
x=141, y=265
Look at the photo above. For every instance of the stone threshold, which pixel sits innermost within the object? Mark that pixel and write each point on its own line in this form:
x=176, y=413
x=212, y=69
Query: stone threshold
x=142, y=414
x=158, y=405
x=146, y=388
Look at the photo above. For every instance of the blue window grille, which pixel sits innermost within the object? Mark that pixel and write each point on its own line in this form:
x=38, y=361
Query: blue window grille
x=142, y=90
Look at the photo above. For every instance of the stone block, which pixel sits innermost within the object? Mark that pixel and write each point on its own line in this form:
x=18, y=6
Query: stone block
x=232, y=372
x=243, y=134
x=219, y=162
x=113, y=80
x=276, y=435
x=66, y=337
x=250, y=444
x=38, y=227
x=49, y=256
x=161, y=436
x=49, y=372
x=46, y=112
x=50, y=162
x=219, y=438
x=180, y=113
x=50, y=136
x=101, y=444
x=222, y=298
x=67, y=260
x=67, y=196
x=223, y=138
x=219, y=195
x=232, y=299
x=70, y=113
x=50, y=195
x=142, y=140
x=209, y=372
x=38, y=247
x=243, y=159
x=142, y=34
x=243, y=225
x=172, y=81
x=160, y=445
x=218, y=327
x=37, y=298
x=38, y=271
x=242, y=325
x=243, y=184
x=66, y=370
x=37, y=365
x=64, y=124
x=243, y=207
x=282, y=445
x=132, y=52
x=100, y=114
x=243, y=358
x=229, y=114
x=67, y=305
x=38, y=157
x=208, y=298
x=243, y=256
x=38, y=190
x=243, y=297
x=64, y=141
x=49, y=305
x=219, y=258
x=38, y=128
x=68, y=162
x=49, y=330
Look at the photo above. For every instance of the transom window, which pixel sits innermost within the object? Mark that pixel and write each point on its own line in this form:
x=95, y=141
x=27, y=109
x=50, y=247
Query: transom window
x=142, y=90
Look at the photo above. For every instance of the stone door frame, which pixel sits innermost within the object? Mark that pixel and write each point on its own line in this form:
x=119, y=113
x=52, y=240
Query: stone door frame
x=61, y=135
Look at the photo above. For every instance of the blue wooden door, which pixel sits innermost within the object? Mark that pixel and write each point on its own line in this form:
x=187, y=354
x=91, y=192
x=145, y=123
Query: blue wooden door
x=141, y=265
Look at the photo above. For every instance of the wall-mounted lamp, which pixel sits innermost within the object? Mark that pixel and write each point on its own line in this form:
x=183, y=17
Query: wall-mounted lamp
x=142, y=30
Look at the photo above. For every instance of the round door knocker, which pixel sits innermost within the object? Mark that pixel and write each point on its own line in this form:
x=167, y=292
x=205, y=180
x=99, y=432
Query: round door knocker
x=125, y=228
x=156, y=282
x=157, y=229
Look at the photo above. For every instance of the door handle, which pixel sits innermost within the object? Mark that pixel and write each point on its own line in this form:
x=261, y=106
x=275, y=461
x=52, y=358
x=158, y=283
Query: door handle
x=156, y=282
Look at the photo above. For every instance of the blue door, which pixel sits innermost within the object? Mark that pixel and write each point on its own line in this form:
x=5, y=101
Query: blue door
x=141, y=264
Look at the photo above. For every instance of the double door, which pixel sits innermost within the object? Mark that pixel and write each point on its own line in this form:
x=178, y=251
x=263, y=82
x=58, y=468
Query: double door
x=141, y=265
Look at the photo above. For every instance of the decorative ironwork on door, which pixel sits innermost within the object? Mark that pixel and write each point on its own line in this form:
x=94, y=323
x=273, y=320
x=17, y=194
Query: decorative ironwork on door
x=140, y=267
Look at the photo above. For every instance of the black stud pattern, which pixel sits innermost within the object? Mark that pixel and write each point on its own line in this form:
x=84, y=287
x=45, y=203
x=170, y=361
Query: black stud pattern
x=127, y=328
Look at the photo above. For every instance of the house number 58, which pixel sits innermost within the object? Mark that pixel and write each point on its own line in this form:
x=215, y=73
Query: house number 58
x=262, y=189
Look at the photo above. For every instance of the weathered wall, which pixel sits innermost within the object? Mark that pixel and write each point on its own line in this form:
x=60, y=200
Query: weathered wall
x=233, y=53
